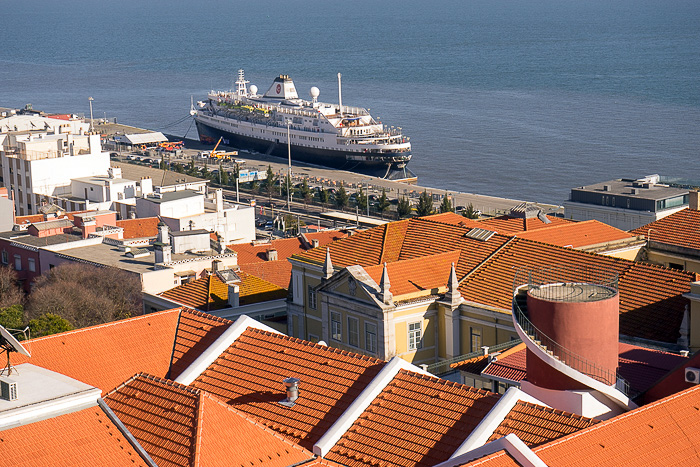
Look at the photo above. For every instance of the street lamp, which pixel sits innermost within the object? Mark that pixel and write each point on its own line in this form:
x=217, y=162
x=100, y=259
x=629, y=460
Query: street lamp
x=92, y=128
x=289, y=179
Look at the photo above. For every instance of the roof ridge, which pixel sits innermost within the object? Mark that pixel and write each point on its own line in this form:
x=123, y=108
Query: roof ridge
x=384, y=237
x=203, y=314
x=448, y=383
x=111, y=323
x=623, y=416
x=157, y=379
x=488, y=258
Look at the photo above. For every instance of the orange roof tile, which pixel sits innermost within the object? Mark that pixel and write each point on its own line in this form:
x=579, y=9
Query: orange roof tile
x=535, y=424
x=105, y=355
x=210, y=293
x=513, y=225
x=255, y=253
x=178, y=425
x=196, y=331
x=666, y=432
x=139, y=228
x=577, y=234
x=416, y=420
x=82, y=439
x=419, y=274
x=510, y=366
x=681, y=228
x=248, y=376
x=276, y=272
x=454, y=219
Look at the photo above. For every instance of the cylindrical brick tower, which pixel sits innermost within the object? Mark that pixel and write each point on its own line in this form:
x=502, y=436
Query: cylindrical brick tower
x=583, y=319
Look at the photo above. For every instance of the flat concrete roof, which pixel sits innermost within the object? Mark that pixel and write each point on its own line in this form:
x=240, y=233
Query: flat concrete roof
x=173, y=196
x=185, y=233
x=26, y=239
x=136, y=172
x=626, y=187
x=101, y=179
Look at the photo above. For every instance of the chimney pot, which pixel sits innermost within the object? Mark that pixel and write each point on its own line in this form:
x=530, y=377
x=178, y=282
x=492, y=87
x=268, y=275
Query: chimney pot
x=291, y=386
x=694, y=200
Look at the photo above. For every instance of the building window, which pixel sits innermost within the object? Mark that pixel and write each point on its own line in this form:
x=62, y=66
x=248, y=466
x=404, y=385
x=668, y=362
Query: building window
x=475, y=339
x=312, y=297
x=18, y=262
x=32, y=264
x=4, y=257
x=336, y=330
x=414, y=336
x=371, y=337
x=353, y=332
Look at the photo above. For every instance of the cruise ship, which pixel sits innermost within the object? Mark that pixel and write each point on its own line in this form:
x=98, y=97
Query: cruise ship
x=279, y=123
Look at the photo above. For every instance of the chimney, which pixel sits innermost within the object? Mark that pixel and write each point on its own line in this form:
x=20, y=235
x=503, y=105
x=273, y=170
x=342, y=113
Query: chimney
x=146, y=186
x=694, y=200
x=314, y=243
x=163, y=236
x=485, y=349
x=234, y=295
x=219, y=195
x=272, y=254
x=215, y=266
x=291, y=386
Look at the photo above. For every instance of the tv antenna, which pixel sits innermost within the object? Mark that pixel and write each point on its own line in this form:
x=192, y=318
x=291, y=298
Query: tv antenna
x=9, y=344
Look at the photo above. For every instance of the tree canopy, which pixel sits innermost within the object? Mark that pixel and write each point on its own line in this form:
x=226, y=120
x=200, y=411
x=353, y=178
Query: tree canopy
x=403, y=209
x=446, y=205
x=425, y=204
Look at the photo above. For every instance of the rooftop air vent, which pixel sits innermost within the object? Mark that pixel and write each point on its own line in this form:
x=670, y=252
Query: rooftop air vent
x=480, y=234
x=692, y=375
x=291, y=386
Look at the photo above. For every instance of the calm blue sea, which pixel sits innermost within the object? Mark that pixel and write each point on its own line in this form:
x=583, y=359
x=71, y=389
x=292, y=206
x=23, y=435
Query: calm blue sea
x=515, y=98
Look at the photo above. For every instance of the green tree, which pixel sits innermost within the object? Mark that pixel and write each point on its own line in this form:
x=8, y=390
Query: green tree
x=192, y=169
x=470, y=213
x=383, y=203
x=270, y=180
x=48, y=324
x=205, y=171
x=287, y=185
x=324, y=197
x=361, y=201
x=177, y=167
x=341, y=198
x=223, y=175
x=446, y=205
x=12, y=317
x=425, y=204
x=305, y=192
x=10, y=291
x=403, y=209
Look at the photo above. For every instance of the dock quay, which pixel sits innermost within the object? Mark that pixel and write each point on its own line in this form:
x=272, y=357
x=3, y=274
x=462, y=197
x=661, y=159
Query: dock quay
x=314, y=175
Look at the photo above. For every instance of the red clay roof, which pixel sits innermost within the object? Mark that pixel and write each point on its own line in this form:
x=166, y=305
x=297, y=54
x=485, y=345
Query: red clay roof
x=416, y=420
x=255, y=253
x=139, y=228
x=577, y=234
x=106, y=355
x=514, y=225
x=86, y=438
x=178, y=425
x=196, y=331
x=276, y=272
x=416, y=275
x=210, y=293
x=681, y=228
x=641, y=367
x=535, y=424
x=248, y=376
x=651, y=301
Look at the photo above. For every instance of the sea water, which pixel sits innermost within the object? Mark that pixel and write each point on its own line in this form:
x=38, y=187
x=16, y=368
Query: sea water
x=522, y=99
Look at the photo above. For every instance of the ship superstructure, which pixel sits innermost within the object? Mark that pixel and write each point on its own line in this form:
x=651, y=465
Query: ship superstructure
x=331, y=135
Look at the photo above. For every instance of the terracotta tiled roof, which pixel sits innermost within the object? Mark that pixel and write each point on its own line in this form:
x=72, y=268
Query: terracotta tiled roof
x=577, y=234
x=196, y=331
x=535, y=424
x=416, y=275
x=681, y=228
x=453, y=219
x=210, y=293
x=416, y=420
x=255, y=253
x=139, y=228
x=276, y=272
x=82, y=439
x=106, y=355
x=472, y=365
x=513, y=225
x=651, y=301
x=178, y=425
x=509, y=366
x=641, y=367
x=248, y=376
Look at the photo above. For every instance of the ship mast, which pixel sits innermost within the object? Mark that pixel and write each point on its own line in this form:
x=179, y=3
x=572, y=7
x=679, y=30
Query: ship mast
x=241, y=89
x=340, y=98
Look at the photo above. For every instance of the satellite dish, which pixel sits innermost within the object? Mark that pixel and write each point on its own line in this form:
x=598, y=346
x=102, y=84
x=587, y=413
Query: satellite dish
x=11, y=344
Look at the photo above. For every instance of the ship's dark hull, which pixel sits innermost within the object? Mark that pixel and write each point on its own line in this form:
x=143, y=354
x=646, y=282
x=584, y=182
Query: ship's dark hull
x=370, y=164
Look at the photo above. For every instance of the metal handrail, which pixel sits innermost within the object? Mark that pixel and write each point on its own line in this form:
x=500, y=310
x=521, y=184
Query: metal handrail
x=443, y=367
x=565, y=355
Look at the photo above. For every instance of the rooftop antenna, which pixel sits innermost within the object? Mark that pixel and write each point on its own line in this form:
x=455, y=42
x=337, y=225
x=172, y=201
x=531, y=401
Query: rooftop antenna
x=9, y=344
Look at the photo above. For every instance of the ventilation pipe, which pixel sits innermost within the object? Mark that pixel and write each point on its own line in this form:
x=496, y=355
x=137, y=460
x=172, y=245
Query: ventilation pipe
x=291, y=386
